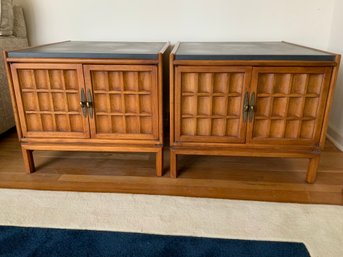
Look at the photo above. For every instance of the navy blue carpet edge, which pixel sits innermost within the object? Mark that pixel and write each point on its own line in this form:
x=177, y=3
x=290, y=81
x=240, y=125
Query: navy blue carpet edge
x=32, y=242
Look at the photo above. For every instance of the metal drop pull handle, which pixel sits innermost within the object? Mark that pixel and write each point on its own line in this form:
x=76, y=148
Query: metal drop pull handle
x=246, y=106
x=83, y=103
x=89, y=103
x=252, y=107
x=86, y=103
x=249, y=107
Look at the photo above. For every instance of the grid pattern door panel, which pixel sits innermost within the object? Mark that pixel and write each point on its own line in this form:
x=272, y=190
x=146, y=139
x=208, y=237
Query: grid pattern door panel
x=290, y=104
x=48, y=98
x=125, y=101
x=209, y=104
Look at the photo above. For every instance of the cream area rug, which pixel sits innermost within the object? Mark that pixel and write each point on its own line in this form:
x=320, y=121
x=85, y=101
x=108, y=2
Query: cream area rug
x=320, y=227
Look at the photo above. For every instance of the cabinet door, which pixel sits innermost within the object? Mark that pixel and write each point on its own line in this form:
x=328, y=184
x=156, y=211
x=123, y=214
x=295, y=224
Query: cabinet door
x=290, y=104
x=125, y=101
x=48, y=100
x=209, y=104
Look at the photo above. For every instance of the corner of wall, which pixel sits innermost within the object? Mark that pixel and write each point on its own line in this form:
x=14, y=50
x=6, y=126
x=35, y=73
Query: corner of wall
x=335, y=137
x=335, y=131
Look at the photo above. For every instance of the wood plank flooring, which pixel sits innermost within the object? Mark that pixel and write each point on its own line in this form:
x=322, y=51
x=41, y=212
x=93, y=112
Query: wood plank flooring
x=244, y=178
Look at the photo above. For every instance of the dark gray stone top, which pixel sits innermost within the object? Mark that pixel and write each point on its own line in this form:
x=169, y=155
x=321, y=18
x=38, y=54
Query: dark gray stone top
x=93, y=49
x=249, y=51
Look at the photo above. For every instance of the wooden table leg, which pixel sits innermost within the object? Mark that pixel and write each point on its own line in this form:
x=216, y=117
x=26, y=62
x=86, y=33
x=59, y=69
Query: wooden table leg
x=173, y=167
x=312, y=170
x=28, y=160
x=159, y=162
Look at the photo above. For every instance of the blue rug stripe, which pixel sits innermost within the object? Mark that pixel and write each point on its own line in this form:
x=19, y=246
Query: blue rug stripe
x=27, y=242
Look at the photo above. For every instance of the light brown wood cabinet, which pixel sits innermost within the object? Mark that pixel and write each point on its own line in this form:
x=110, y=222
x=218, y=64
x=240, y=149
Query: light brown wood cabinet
x=92, y=98
x=250, y=99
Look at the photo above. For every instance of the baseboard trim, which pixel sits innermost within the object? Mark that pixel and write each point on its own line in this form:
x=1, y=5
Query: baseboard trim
x=335, y=137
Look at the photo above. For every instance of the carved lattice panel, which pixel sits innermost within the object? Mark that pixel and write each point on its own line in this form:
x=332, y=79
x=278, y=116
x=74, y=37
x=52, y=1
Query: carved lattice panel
x=50, y=96
x=289, y=104
x=209, y=104
x=125, y=101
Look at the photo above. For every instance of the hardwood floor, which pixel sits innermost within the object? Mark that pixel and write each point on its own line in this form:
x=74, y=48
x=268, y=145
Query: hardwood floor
x=262, y=179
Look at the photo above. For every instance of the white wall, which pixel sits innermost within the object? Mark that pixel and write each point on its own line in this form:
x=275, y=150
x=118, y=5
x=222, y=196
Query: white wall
x=300, y=21
x=336, y=44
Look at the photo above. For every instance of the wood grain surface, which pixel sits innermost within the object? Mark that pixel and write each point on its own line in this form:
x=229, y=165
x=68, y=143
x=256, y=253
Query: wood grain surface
x=244, y=178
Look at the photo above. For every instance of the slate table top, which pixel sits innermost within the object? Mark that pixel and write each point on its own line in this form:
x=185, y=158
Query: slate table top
x=249, y=51
x=92, y=49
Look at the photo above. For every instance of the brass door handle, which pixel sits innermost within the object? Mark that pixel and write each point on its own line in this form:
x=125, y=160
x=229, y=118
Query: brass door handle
x=89, y=103
x=252, y=108
x=83, y=103
x=246, y=106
